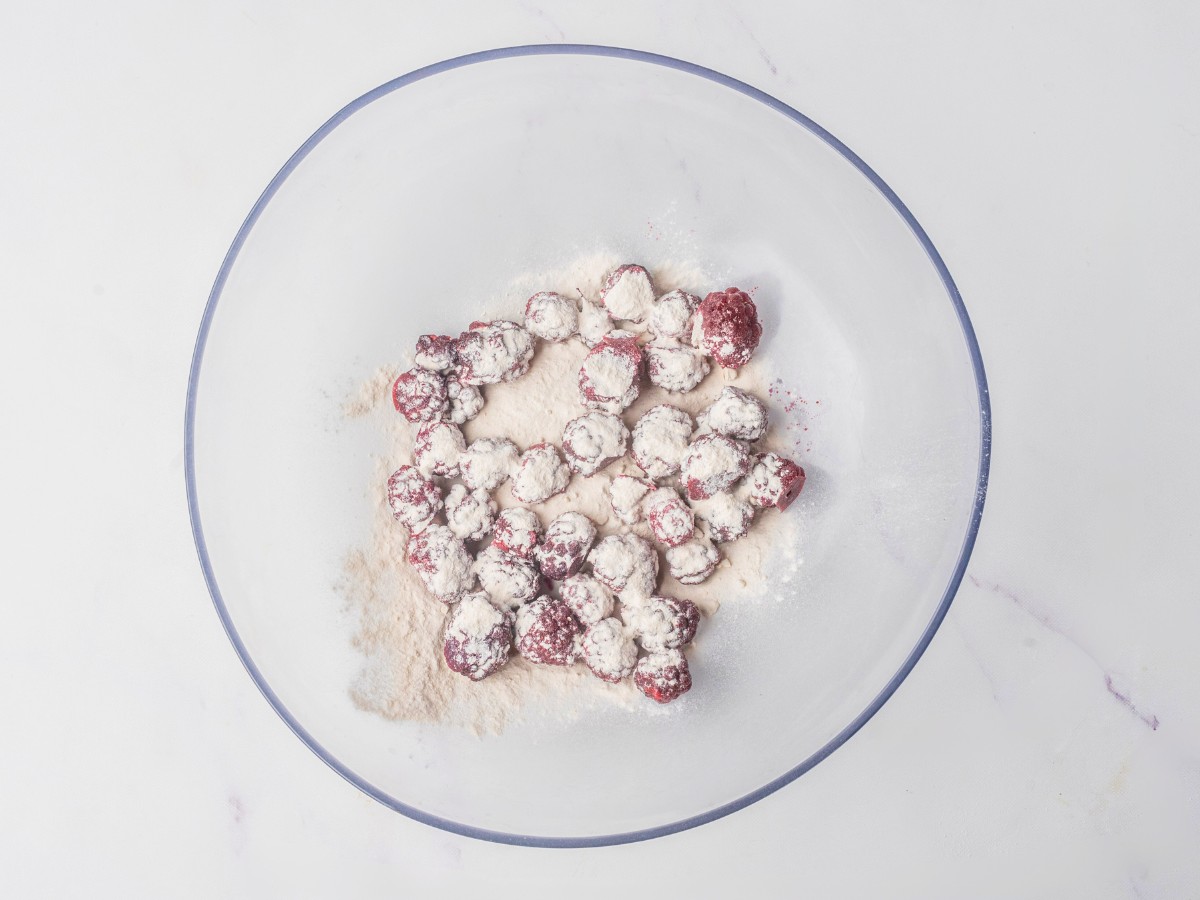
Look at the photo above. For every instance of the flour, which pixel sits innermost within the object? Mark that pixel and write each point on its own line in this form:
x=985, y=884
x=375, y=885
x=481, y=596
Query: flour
x=400, y=627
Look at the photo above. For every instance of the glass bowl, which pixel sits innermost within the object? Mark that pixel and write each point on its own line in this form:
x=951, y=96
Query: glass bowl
x=401, y=215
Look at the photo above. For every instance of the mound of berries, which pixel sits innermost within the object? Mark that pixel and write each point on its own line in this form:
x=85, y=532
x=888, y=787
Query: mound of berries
x=564, y=590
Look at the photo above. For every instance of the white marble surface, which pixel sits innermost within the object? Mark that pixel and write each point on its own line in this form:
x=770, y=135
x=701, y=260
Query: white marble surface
x=1048, y=745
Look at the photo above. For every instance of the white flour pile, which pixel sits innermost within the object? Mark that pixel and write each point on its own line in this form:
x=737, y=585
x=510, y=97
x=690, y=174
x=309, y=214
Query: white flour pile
x=400, y=626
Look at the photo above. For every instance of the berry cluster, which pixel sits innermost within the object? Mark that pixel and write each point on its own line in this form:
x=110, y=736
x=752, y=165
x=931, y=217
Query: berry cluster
x=563, y=593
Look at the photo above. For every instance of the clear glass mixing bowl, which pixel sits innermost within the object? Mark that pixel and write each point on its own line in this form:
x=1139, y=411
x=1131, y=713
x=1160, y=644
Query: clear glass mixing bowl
x=417, y=200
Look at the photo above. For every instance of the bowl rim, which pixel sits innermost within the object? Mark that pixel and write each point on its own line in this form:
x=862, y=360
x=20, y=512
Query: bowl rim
x=533, y=50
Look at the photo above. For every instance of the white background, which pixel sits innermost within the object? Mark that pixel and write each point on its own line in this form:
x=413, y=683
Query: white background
x=1048, y=745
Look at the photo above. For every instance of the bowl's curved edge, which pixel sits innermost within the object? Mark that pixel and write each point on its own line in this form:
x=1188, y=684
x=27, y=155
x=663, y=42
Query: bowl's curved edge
x=985, y=430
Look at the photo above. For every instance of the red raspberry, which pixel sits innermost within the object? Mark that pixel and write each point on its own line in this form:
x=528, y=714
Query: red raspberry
x=488, y=462
x=438, y=447
x=625, y=563
x=478, y=637
x=712, y=463
x=442, y=561
x=628, y=293
x=693, y=562
x=728, y=327
x=676, y=369
x=551, y=316
x=420, y=395
x=435, y=352
x=541, y=473
x=726, y=517
x=593, y=441
x=414, y=499
x=775, y=481
x=510, y=580
x=547, y=632
x=664, y=623
x=465, y=400
x=660, y=439
x=565, y=548
x=664, y=676
x=670, y=518
x=517, y=530
x=609, y=650
x=469, y=513
x=610, y=375
x=492, y=352
x=587, y=597
x=671, y=316
x=625, y=495
x=735, y=414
